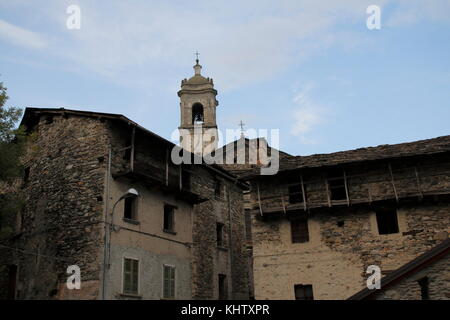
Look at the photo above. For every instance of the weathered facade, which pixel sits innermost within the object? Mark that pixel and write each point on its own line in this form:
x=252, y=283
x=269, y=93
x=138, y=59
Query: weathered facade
x=198, y=103
x=145, y=219
x=427, y=277
x=162, y=243
x=323, y=219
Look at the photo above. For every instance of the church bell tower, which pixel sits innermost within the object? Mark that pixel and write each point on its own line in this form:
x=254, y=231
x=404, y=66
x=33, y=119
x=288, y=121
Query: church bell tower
x=198, y=127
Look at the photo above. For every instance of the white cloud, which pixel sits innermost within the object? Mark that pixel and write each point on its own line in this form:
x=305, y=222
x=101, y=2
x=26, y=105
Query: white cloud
x=308, y=115
x=241, y=42
x=20, y=36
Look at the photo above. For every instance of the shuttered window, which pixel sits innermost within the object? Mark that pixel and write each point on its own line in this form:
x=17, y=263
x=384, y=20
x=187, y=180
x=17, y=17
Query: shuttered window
x=130, y=276
x=169, y=282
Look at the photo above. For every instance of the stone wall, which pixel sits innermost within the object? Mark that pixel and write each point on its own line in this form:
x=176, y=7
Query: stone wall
x=408, y=288
x=65, y=202
x=344, y=237
x=210, y=260
x=63, y=208
x=335, y=259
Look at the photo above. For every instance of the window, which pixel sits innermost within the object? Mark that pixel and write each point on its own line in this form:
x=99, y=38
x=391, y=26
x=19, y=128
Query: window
x=185, y=180
x=169, y=282
x=223, y=290
x=336, y=183
x=299, y=230
x=219, y=231
x=424, y=288
x=217, y=189
x=26, y=175
x=387, y=221
x=303, y=292
x=169, y=213
x=197, y=114
x=12, y=282
x=129, y=211
x=130, y=276
x=295, y=193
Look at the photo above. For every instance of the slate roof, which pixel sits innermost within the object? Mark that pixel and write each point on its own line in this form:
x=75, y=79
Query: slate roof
x=387, y=151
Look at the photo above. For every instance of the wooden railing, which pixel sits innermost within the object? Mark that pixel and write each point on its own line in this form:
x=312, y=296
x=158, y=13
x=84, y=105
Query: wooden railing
x=359, y=188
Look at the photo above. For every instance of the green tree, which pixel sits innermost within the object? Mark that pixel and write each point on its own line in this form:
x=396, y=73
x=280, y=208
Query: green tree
x=11, y=146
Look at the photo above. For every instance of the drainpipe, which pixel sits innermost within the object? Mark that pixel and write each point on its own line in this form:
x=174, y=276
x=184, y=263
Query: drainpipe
x=230, y=243
x=106, y=228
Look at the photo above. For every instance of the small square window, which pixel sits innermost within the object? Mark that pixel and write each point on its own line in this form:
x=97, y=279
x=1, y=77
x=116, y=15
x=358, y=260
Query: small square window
x=424, y=288
x=219, y=232
x=26, y=174
x=303, y=292
x=129, y=211
x=12, y=282
x=223, y=288
x=387, y=221
x=336, y=183
x=299, y=230
x=295, y=193
x=169, y=217
x=217, y=189
x=130, y=276
x=185, y=180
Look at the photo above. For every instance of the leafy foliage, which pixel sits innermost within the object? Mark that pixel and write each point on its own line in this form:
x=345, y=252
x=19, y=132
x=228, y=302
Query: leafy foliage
x=11, y=147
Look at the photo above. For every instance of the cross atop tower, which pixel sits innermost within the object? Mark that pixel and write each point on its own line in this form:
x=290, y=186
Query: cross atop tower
x=241, y=124
x=197, y=54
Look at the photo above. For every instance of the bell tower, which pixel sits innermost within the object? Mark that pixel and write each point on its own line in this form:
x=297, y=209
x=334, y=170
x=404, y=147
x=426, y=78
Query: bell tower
x=198, y=127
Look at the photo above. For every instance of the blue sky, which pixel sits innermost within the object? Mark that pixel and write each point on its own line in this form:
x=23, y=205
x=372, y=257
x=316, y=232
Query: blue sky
x=311, y=69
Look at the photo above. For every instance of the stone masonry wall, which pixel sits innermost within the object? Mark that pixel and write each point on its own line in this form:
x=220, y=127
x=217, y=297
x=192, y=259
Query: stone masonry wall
x=343, y=242
x=408, y=288
x=63, y=209
x=209, y=260
x=344, y=238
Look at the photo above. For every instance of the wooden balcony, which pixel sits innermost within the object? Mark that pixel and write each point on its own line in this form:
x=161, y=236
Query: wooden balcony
x=397, y=185
x=167, y=177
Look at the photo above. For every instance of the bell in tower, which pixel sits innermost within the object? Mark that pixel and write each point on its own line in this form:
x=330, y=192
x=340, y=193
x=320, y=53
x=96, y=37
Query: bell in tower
x=198, y=127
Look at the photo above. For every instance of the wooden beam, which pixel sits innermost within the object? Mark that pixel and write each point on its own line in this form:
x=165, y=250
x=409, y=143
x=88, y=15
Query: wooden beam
x=282, y=202
x=303, y=193
x=392, y=181
x=418, y=182
x=328, y=192
x=346, y=189
x=259, y=199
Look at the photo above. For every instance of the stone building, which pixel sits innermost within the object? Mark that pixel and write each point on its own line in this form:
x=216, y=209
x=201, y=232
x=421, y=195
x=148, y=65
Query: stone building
x=198, y=126
x=427, y=277
x=323, y=219
x=145, y=219
x=106, y=195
